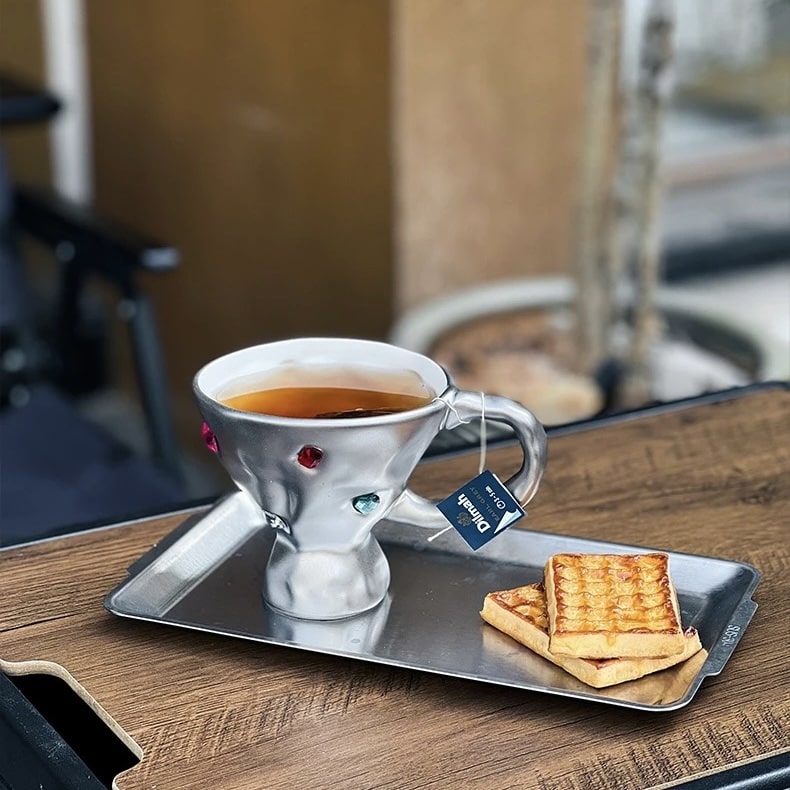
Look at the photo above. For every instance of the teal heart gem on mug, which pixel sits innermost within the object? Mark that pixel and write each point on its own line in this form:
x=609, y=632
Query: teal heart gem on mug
x=365, y=503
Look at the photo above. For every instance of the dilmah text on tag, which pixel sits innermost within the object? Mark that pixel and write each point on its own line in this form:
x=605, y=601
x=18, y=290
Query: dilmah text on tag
x=481, y=509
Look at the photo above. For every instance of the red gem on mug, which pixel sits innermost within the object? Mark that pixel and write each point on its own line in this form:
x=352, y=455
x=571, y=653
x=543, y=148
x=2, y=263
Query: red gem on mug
x=209, y=438
x=310, y=456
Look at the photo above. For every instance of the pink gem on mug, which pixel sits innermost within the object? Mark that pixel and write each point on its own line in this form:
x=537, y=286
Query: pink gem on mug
x=209, y=438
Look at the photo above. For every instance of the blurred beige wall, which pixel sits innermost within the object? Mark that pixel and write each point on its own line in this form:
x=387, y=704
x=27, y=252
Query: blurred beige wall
x=487, y=108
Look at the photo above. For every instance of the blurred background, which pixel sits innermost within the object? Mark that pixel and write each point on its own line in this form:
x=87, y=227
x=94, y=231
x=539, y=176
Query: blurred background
x=333, y=166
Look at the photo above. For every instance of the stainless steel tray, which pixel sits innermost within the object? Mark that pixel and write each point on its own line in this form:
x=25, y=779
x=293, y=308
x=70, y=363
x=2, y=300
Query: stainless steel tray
x=207, y=575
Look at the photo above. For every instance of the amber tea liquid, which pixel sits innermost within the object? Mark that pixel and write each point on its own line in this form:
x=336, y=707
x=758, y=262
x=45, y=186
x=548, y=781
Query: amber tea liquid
x=330, y=394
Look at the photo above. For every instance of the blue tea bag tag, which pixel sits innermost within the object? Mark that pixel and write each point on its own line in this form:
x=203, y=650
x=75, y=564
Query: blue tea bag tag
x=481, y=509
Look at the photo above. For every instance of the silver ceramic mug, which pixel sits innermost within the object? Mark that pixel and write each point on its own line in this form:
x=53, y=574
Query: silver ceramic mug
x=325, y=563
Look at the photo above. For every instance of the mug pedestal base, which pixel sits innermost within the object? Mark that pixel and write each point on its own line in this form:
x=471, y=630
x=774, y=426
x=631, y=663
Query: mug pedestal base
x=325, y=585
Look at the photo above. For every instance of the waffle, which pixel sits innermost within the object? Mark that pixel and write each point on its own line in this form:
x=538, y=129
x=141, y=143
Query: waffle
x=522, y=614
x=612, y=606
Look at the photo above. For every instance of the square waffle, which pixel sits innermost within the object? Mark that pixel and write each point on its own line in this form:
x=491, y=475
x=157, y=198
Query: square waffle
x=612, y=606
x=522, y=614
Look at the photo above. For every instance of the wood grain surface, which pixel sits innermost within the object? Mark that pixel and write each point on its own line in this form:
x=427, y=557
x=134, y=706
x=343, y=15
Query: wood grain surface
x=215, y=712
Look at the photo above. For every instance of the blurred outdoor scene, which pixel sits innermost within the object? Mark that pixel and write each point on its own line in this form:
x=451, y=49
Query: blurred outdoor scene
x=582, y=205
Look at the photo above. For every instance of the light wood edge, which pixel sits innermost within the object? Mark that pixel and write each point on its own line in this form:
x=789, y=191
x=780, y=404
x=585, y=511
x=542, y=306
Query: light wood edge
x=39, y=667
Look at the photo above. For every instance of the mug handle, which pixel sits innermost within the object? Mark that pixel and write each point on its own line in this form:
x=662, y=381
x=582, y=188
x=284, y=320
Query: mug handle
x=463, y=406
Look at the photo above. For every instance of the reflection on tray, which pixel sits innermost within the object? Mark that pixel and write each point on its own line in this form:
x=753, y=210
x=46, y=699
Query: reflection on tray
x=358, y=634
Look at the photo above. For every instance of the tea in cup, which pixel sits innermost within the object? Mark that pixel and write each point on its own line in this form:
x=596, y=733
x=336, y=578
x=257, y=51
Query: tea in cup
x=323, y=434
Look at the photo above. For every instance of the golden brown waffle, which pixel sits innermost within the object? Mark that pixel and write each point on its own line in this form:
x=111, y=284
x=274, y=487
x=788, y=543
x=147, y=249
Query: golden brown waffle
x=522, y=614
x=612, y=606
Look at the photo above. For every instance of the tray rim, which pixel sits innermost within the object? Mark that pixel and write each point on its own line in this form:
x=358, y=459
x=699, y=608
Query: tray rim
x=718, y=654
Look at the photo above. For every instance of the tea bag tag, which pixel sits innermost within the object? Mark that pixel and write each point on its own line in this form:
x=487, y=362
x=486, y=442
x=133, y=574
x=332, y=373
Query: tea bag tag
x=480, y=510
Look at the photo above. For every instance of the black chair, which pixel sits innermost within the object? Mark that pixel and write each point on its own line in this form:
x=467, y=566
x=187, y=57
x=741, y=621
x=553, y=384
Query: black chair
x=58, y=470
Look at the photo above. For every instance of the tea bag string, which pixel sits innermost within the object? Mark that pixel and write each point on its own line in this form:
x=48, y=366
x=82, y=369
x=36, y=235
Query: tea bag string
x=483, y=444
x=483, y=437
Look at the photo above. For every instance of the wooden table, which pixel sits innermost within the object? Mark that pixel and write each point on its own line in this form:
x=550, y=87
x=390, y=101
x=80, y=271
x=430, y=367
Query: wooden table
x=220, y=713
